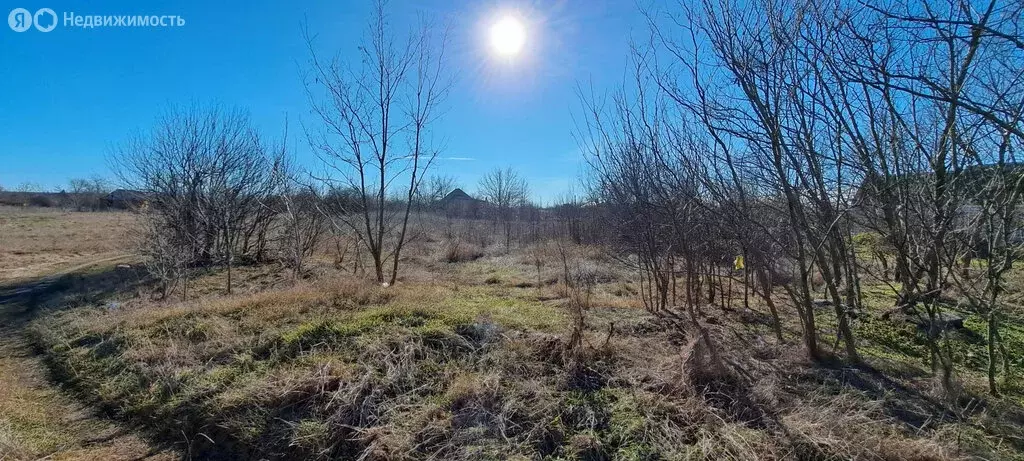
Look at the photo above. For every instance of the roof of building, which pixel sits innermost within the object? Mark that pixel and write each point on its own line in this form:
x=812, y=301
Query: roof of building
x=458, y=194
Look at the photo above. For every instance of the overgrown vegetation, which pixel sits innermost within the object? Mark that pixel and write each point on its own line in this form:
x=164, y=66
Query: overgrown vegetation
x=800, y=241
x=466, y=368
x=770, y=134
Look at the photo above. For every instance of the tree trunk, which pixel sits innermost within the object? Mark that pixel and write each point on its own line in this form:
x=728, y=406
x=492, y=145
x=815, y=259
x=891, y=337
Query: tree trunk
x=992, y=329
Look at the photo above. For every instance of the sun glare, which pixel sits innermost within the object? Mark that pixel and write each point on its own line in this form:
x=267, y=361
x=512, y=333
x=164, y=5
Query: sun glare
x=508, y=36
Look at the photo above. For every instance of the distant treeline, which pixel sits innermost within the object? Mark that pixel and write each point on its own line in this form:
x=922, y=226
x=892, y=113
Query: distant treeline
x=79, y=201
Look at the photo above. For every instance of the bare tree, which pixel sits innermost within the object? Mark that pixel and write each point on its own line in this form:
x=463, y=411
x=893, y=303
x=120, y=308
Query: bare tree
x=506, y=192
x=435, y=189
x=754, y=93
x=775, y=129
x=303, y=221
x=646, y=172
x=165, y=256
x=29, y=186
x=926, y=102
x=240, y=180
x=87, y=193
x=376, y=112
x=990, y=228
x=205, y=174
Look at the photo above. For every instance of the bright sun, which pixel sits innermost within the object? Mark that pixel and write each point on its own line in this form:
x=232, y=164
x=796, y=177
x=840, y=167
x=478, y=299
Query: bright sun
x=508, y=36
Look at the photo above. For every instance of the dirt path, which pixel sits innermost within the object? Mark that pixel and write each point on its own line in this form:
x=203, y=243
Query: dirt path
x=72, y=266
x=38, y=420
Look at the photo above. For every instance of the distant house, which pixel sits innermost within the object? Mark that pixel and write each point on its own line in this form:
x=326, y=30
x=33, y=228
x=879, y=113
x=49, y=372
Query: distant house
x=459, y=203
x=126, y=199
x=457, y=196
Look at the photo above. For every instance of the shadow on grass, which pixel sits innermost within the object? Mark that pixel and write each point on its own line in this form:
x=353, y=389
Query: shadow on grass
x=22, y=300
x=918, y=411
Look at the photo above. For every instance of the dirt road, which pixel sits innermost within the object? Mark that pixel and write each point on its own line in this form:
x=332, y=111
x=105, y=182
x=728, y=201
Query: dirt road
x=37, y=419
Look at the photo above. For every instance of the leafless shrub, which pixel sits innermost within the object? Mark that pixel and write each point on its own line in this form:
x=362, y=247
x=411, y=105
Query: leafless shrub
x=166, y=255
x=304, y=224
x=86, y=194
x=506, y=194
x=538, y=255
x=457, y=251
x=772, y=131
x=206, y=176
x=578, y=281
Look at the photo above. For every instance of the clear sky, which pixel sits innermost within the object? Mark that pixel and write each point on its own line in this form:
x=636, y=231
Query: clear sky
x=72, y=93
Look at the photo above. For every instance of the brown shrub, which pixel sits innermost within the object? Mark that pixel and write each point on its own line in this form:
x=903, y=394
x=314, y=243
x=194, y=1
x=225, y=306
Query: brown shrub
x=457, y=252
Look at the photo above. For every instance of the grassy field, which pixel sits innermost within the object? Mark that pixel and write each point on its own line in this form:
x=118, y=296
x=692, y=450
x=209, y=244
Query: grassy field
x=468, y=360
x=41, y=241
x=38, y=419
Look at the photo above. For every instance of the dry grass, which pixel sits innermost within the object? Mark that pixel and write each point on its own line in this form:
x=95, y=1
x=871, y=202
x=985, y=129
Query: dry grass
x=467, y=358
x=277, y=347
x=459, y=252
x=30, y=426
x=37, y=241
x=344, y=368
x=38, y=421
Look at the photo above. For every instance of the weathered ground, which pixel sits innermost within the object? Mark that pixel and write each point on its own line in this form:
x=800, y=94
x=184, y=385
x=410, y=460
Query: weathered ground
x=38, y=419
x=467, y=358
x=37, y=242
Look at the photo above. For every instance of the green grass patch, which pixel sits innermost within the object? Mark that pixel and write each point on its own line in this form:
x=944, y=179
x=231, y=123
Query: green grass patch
x=264, y=374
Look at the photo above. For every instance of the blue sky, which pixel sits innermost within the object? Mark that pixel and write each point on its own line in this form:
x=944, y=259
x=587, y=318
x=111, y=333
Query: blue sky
x=72, y=93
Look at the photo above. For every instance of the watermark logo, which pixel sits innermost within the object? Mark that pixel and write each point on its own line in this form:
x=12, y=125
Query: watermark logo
x=20, y=20
x=45, y=20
